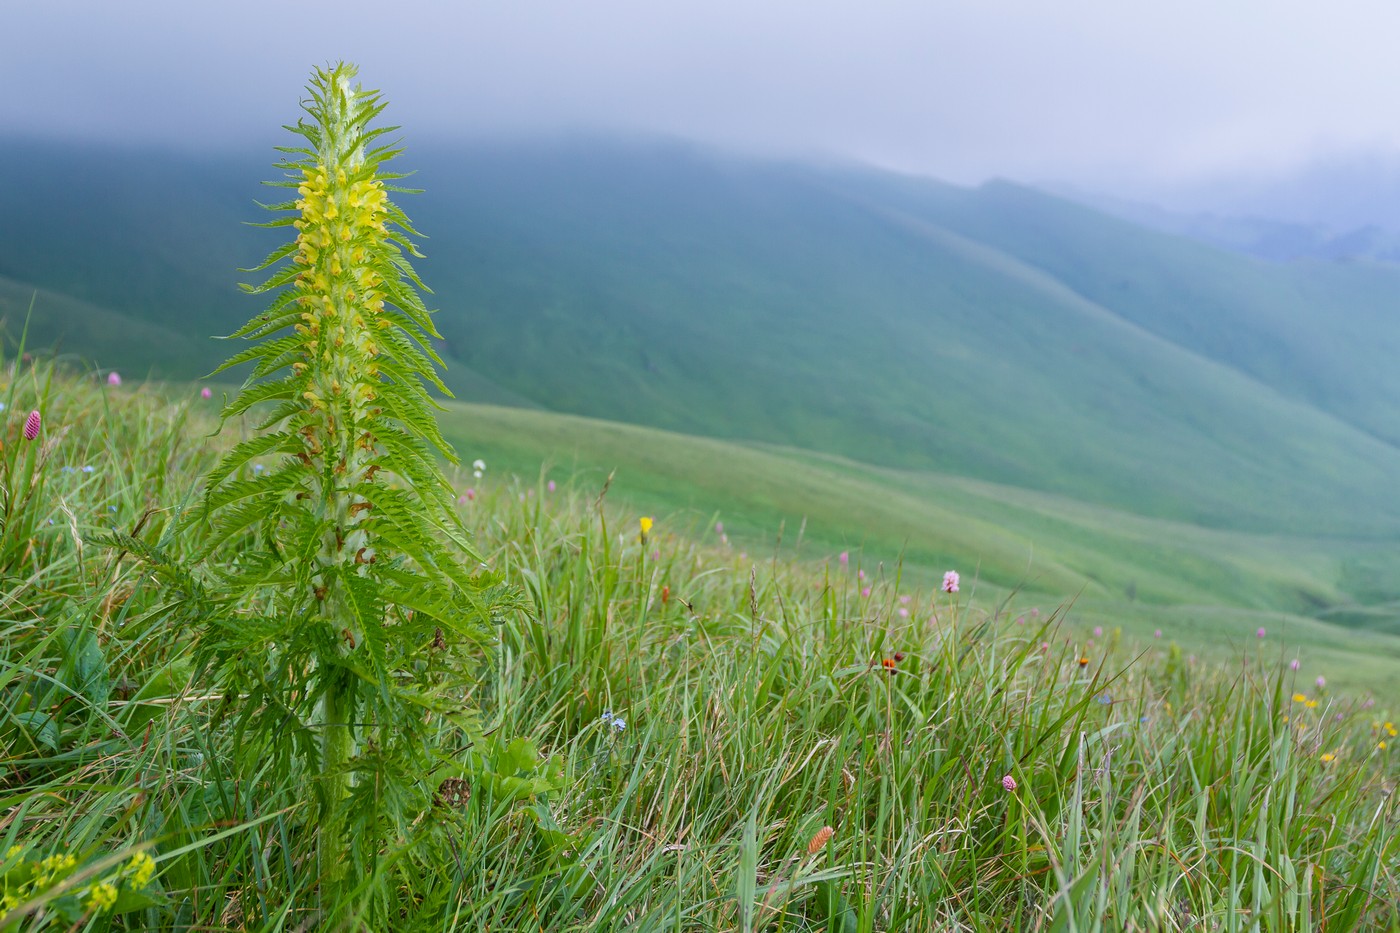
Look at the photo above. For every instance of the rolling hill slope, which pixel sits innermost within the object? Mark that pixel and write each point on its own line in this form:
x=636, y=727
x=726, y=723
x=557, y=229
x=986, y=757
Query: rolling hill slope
x=1323, y=597
x=995, y=333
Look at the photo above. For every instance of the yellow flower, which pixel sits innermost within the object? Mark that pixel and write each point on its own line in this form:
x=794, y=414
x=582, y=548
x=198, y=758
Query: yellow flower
x=1381, y=746
x=58, y=863
x=101, y=896
x=1390, y=729
x=142, y=867
x=1300, y=698
x=1328, y=756
x=1310, y=704
x=646, y=524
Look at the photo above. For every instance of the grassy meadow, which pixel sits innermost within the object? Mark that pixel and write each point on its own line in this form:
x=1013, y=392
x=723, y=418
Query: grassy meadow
x=681, y=733
x=967, y=560
x=1208, y=590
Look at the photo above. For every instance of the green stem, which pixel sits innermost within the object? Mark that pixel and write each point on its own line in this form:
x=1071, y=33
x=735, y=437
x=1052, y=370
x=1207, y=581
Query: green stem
x=337, y=747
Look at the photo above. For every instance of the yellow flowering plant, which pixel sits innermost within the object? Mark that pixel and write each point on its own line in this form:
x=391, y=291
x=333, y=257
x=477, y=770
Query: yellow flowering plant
x=356, y=596
x=57, y=886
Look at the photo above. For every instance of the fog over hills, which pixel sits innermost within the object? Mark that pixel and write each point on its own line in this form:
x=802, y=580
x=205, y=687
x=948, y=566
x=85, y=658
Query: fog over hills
x=1343, y=207
x=995, y=332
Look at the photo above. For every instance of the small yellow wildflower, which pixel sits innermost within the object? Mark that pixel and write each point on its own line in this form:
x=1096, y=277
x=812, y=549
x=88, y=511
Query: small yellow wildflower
x=101, y=896
x=142, y=867
x=13, y=851
x=1328, y=757
x=1311, y=704
x=1390, y=729
x=58, y=863
x=646, y=524
x=1381, y=745
x=47, y=870
x=1300, y=698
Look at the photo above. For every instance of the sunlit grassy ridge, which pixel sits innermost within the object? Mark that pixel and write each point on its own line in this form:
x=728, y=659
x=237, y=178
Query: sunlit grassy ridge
x=981, y=767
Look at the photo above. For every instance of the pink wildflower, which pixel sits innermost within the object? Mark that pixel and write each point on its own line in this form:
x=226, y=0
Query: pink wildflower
x=205, y=393
x=1098, y=631
x=1260, y=633
x=865, y=591
x=114, y=378
x=950, y=582
x=1294, y=664
x=1321, y=682
x=719, y=528
x=1157, y=634
x=31, y=426
x=903, y=613
x=845, y=558
x=860, y=574
x=550, y=486
x=1008, y=783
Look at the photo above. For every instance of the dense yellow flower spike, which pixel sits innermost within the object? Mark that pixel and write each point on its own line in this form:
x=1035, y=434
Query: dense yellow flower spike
x=341, y=227
x=361, y=562
x=359, y=351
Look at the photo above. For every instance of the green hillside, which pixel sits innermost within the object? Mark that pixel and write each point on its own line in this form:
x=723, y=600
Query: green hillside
x=995, y=334
x=1207, y=589
x=1318, y=332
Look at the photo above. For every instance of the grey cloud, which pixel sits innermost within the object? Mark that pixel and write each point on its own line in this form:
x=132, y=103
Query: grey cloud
x=1122, y=93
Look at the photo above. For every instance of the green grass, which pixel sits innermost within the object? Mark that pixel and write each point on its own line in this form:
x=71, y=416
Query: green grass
x=1047, y=549
x=1152, y=790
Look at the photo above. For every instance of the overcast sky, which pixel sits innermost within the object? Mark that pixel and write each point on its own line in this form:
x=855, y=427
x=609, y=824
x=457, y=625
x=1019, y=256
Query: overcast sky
x=1118, y=95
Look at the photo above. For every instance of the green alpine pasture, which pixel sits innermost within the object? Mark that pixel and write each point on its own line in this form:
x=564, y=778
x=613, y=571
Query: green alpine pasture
x=741, y=742
x=822, y=550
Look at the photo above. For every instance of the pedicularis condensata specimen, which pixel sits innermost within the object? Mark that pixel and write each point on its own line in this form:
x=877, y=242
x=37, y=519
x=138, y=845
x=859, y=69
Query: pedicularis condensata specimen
x=362, y=595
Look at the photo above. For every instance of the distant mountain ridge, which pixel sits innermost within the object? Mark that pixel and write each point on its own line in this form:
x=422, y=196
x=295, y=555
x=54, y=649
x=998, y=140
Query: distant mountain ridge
x=1262, y=237
x=996, y=332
